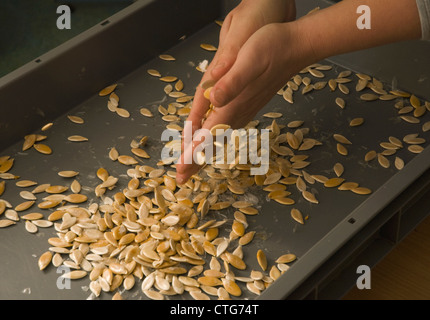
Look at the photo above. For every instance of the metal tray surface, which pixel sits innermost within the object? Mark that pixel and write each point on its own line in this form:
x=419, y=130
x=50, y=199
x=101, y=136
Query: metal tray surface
x=329, y=224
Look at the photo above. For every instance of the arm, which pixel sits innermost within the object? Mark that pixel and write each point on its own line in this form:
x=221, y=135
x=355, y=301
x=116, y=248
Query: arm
x=278, y=51
x=326, y=33
x=333, y=31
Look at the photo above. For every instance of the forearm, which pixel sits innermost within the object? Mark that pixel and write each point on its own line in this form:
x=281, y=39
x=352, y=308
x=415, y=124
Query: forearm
x=334, y=30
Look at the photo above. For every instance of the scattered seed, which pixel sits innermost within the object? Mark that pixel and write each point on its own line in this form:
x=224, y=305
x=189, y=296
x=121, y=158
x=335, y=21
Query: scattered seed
x=107, y=90
x=68, y=174
x=286, y=258
x=6, y=223
x=44, y=260
x=75, y=119
x=333, y=182
x=383, y=161
x=208, y=47
x=414, y=148
x=361, y=190
x=341, y=149
x=30, y=227
x=154, y=73
x=297, y=215
x=76, y=138
x=338, y=169
x=369, y=97
x=261, y=259
x=166, y=57
x=272, y=115
x=399, y=163
x=42, y=148
x=341, y=139
x=356, y=122
x=169, y=79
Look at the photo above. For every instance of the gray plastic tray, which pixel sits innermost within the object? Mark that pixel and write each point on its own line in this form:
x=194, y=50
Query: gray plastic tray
x=67, y=80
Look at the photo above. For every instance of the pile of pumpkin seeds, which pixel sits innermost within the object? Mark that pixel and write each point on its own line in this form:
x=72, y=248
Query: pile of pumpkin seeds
x=157, y=234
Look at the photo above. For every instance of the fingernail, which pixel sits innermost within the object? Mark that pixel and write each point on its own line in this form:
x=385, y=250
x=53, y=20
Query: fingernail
x=219, y=97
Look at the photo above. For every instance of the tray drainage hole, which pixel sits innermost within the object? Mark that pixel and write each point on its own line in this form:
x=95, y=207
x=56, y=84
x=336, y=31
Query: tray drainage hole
x=105, y=23
x=351, y=221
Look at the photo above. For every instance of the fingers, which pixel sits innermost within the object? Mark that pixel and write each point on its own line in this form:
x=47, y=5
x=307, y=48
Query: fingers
x=245, y=70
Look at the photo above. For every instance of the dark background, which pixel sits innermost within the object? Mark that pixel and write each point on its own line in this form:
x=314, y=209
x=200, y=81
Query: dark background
x=28, y=27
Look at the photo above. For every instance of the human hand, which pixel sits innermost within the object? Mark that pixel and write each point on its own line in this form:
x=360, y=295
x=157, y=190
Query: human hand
x=267, y=60
x=248, y=17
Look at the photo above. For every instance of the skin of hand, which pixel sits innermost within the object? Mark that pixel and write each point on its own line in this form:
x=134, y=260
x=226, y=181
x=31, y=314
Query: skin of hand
x=244, y=20
x=277, y=51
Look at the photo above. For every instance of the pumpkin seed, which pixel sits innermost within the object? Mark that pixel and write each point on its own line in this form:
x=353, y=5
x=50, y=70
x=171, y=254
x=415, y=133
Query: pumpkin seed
x=341, y=149
x=108, y=90
x=30, y=227
x=154, y=73
x=76, y=138
x=309, y=197
x=47, y=126
x=356, y=122
x=261, y=259
x=24, y=205
x=383, y=161
x=369, y=97
x=168, y=79
x=166, y=57
x=44, y=260
x=338, y=169
x=361, y=190
x=208, y=47
x=399, y=163
x=286, y=258
x=341, y=139
x=29, y=141
x=272, y=115
x=6, y=223
x=68, y=173
x=75, y=119
x=414, y=148
x=297, y=215
x=231, y=287
x=370, y=155
x=333, y=182
x=410, y=119
x=42, y=148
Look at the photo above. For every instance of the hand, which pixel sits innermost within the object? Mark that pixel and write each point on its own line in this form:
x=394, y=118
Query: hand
x=243, y=21
x=268, y=59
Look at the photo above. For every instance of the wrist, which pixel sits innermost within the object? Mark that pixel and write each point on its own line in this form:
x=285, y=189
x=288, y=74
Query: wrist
x=300, y=45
